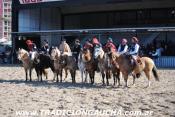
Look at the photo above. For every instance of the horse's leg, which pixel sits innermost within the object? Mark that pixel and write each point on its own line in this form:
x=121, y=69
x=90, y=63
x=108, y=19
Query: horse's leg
x=86, y=75
x=57, y=77
x=81, y=71
x=41, y=75
x=66, y=73
x=30, y=73
x=118, y=77
x=148, y=75
x=126, y=79
x=103, y=77
x=114, y=79
x=26, y=71
x=134, y=77
x=61, y=74
x=93, y=75
x=74, y=74
x=107, y=77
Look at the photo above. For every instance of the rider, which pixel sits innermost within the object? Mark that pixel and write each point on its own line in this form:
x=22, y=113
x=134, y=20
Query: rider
x=110, y=45
x=31, y=46
x=76, y=49
x=123, y=47
x=45, y=47
x=88, y=45
x=134, y=50
x=64, y=48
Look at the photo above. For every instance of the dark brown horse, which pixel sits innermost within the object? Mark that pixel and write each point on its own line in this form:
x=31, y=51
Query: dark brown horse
x=68, y=62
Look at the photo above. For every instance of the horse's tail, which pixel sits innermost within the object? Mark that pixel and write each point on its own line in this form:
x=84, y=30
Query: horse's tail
x=155, y=73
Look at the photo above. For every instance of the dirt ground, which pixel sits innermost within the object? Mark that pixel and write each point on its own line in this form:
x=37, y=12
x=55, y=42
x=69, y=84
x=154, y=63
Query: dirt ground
x=18, y=97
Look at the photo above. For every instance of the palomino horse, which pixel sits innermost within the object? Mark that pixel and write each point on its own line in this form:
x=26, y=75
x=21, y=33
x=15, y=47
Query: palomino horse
x=23, y=56
x=103, y=63
x=55, y=56
x=90, y=64
x=147, y=66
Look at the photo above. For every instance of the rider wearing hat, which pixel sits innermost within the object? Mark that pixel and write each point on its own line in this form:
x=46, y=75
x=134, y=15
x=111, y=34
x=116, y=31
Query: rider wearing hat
x=45, y=47
x=110, y=45
x=88, y=45
x=30, y=45
x=76, y=49
x=123, y=47
x=134, y=51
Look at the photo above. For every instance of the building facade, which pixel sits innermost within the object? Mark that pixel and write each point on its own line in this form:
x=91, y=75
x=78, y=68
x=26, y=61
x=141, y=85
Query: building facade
x=5, y=22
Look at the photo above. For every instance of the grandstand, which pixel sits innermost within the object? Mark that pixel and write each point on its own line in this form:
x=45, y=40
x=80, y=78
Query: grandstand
x=53, y=20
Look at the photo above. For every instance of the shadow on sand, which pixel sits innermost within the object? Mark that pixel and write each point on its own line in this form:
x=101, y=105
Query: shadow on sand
x=48, y=84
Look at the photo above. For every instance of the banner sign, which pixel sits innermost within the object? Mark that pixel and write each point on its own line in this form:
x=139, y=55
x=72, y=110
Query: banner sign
x=36, y=1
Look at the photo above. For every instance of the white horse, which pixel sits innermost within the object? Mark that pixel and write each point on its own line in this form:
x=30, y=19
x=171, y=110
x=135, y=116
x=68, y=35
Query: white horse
x=81, y=66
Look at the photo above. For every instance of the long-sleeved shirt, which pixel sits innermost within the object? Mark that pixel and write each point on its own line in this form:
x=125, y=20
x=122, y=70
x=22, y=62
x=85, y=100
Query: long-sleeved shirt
x=122, y=49
x=65, y=49
x=134, y=49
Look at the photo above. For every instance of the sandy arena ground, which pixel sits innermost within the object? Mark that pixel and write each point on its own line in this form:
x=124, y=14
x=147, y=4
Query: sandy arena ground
x=19, y=97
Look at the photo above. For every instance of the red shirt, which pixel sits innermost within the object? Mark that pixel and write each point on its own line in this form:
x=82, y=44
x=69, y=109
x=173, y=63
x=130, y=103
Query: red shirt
x=111, y=45
x=88, y=45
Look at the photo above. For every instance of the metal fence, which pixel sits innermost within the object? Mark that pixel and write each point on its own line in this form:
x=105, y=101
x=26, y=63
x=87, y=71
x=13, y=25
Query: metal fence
x=165, y=62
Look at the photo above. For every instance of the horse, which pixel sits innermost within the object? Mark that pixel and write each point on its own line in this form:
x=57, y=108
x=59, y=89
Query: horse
x=42, y=62
x=23, y=56
x=81, y=66
x=55, y=56
x=90, y=64
x=146, y=65
x=103, y=63
x=69, y=62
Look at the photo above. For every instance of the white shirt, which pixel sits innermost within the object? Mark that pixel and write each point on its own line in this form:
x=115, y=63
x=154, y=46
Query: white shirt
x=124, y=50
x=136, y=50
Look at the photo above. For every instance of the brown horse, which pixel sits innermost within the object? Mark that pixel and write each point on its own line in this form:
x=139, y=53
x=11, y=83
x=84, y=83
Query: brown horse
x=103, y=64
x=89, y=63
x=55, y=56
x=147, y=66
x=69, y=63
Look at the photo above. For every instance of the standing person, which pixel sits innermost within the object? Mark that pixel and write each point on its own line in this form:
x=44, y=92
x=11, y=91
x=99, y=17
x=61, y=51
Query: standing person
x=45, y=47
x=110, y=45
x=123, y=47
x=64, y=48
x=76, y=49
x=134, y=50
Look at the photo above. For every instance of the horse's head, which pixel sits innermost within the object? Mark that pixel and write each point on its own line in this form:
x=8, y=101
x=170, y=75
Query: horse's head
x=22, y=54
x=55, y=53
x=35, y=57
x=98, y=53
x=86, y=55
